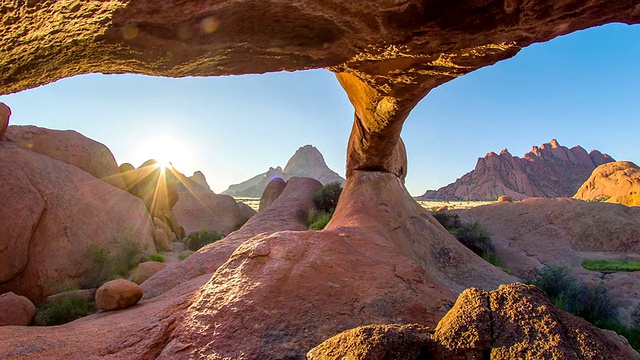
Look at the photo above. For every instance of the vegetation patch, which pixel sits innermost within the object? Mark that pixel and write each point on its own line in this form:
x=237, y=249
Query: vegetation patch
x=63, y=309
x=611, y=265
x=326, y=199
x=591, y=302
x=155, y=257
x=108, y=265
x=472, y=235
x=195, y=241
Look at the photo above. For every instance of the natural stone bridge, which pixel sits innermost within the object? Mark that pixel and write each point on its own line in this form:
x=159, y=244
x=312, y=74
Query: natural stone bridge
x=384, y=258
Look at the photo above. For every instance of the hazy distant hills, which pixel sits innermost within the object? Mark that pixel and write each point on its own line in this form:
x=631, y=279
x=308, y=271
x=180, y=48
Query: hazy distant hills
x=306, y=162
x=550, y=170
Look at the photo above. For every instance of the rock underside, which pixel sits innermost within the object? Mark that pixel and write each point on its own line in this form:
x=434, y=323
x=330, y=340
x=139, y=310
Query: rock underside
x=276, y=294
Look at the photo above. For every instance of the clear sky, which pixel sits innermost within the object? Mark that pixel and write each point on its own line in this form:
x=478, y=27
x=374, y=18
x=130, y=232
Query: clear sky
x=581, y=89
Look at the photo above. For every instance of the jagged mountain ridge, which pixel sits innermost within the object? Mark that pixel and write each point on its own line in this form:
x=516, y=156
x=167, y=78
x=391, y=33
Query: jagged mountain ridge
x=551, y=170
x=306, y=162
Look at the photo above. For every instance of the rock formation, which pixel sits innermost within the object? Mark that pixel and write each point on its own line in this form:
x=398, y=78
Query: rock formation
x=617, y=182
x=550, y=170
x=306, y=162
x=387, y=56
x=537, y=232
x=271, y=193
x=51, y=213
x=15, y=310
x=70, y=147
x=5, y=114
x=118, y=294
x=513, y=322
x=155, y=185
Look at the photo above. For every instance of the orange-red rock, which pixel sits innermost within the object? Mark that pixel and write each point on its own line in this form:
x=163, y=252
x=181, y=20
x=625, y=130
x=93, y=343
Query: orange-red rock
x=146, y=270
x=51, y=213
x=271, y=193
x=70, y=147
x=118, y=294
x=617, y=182
x=5, y=114
x=15, y=310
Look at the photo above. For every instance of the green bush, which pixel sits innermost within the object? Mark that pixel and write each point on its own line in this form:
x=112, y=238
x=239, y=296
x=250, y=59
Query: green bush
x=108, y=265
x=317, y=220
x=590, y=302
x=448, y=220
x=155, y=257
x=326, y=199
x=195, y=242
x=474, y=236
x=63, y=309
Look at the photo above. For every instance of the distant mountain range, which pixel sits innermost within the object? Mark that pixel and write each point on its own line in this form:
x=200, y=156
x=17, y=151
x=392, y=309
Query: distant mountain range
x=550, y=170
x=306, y=162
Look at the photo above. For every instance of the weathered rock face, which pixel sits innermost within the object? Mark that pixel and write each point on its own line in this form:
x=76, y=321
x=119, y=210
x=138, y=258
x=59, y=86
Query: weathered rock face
x=49, y=207
x=306, y=162
x=513, y=322
x=617, y=182
x=70, y=147
x=550, y=170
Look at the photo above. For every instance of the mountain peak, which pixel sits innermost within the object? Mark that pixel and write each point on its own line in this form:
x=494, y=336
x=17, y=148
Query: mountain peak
x=306, y=157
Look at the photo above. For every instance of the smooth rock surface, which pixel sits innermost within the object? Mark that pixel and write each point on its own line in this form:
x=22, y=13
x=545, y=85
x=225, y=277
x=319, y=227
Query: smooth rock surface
x=49, y=207
x=72, y=148
x=146, y=270
x=15, y=310
x=617, y=182
x=271, y=193
x=118, y=294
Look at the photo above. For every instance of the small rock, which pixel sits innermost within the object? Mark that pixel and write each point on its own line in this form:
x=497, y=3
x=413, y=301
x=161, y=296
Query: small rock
x=118, y=294
x=146, y=270
x=15, y=309
x=505, y=199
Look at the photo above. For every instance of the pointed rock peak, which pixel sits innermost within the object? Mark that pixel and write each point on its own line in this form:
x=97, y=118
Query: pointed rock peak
x=490, y=154
x=535, y=150
x=199, y=178
x=305, y=157
x=505, y=151
x=554, y=143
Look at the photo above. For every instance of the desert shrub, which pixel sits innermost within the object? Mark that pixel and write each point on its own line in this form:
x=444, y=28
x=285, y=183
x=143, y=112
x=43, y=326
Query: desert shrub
x=205, y=236
x=155, y=257
x=63, y=309
x=185, y=254
x=448, y=220
x=611, y=265
x=590, y=302
x=108, y=265
x=326, y=199
x=317, y=220
x=475, y=237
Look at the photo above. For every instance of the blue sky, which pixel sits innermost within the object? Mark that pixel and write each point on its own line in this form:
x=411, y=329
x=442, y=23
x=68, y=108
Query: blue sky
x=581, y=88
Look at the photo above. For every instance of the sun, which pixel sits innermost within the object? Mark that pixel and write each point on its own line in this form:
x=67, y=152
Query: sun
x=167, y=150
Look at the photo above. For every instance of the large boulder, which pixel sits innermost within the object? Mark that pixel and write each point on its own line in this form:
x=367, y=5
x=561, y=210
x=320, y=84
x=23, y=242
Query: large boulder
x=146, y=270
x=15, y=310
x=220, y=213
x=70, y=147
x=5, y=114
x=515, y=321
x=271, y=193
x=118, y=294
x=616, y=182
x=51, y=215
